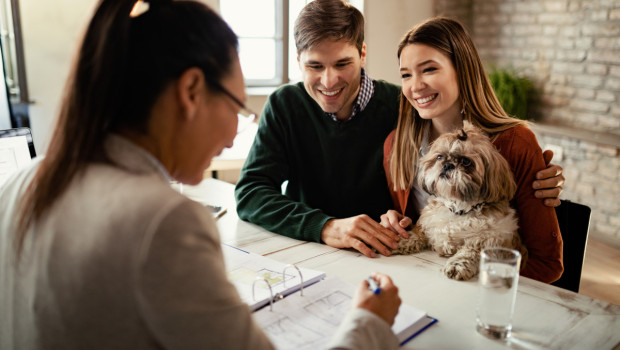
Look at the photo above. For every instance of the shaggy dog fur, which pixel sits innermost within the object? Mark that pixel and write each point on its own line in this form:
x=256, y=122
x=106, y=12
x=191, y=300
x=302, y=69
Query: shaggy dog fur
x=471, y=185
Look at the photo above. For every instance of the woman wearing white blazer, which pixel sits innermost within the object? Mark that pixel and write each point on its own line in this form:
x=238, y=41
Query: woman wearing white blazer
x=96, y=250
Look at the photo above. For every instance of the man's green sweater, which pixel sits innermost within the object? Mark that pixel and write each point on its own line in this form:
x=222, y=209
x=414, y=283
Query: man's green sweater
x=334, y=169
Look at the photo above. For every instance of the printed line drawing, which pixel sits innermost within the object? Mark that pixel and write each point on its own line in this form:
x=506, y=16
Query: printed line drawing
x=330, y=307
x=286, y=333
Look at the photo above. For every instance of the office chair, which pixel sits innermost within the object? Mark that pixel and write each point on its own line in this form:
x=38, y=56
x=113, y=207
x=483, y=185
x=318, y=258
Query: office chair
x=574, y=220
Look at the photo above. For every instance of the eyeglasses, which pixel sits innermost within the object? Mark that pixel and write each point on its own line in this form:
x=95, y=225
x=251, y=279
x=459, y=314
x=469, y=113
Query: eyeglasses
x=246, y=116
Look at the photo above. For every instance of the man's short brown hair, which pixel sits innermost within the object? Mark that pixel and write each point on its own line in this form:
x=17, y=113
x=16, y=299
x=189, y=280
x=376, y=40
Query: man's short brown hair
x=335, y=20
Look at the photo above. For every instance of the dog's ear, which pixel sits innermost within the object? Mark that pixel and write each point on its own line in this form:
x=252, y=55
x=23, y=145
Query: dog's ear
x=427, y=187
x=499, y=184
x=425, y=181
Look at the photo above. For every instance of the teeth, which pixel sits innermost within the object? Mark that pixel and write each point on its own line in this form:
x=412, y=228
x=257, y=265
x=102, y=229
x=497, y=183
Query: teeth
x=330, y=93
x=426, y=99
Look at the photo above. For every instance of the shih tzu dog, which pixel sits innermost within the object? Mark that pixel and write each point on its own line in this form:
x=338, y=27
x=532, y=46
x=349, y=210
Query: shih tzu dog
x=471, y=185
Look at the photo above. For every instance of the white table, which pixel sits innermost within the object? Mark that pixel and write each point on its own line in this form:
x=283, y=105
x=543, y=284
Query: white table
x=546, y=317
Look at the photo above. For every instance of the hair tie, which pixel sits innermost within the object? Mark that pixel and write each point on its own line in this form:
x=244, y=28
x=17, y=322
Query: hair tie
x=139, y=8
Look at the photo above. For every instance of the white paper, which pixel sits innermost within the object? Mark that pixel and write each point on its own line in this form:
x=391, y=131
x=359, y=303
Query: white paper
x=309, y=321
x=244, y=268
x=14, y=154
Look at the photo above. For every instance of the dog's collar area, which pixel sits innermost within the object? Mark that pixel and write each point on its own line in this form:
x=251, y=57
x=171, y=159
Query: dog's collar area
x=463, y=211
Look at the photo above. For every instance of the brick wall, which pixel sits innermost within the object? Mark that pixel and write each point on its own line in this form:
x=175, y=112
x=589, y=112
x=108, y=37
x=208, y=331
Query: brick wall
x=592, y=172
x=461, y=9
x=570, y=49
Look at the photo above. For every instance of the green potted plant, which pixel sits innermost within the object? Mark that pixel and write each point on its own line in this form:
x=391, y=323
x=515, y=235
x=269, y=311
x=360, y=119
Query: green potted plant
x=512, y=91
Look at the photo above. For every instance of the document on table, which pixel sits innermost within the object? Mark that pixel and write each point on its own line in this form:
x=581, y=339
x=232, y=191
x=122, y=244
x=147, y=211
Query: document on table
x=14, y=154
x=309, y=321
x=259, y=279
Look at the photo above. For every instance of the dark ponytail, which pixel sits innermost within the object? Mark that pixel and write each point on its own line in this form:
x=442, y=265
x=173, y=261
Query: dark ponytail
x=122, y=66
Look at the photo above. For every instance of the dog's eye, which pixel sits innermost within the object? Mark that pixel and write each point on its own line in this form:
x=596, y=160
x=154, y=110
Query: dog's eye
x=439, y=157
x=465, y=161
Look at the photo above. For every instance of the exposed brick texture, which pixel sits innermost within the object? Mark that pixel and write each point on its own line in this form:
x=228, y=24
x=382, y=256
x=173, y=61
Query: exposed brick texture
x=570, y=49
x=592, y=173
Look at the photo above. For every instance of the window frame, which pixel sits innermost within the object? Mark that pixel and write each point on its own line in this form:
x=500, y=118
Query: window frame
x=13, y=52
x=282, y=47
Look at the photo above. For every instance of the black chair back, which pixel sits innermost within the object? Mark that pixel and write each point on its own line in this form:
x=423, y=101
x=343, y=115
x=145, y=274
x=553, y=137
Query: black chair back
x=574, y=220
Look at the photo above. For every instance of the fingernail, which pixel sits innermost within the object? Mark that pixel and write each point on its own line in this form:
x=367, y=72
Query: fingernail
x=538, y=194
x=536, y=184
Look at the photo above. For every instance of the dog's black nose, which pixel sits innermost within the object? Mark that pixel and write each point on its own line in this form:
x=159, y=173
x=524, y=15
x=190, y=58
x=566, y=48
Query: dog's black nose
x=448, y=166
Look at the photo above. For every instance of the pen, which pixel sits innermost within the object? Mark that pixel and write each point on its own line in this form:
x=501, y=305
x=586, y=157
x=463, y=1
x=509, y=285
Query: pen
x=220, y=213
x=373, y=285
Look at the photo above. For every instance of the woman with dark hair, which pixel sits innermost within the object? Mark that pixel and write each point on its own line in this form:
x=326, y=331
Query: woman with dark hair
x=443, y=84
x=97, y=251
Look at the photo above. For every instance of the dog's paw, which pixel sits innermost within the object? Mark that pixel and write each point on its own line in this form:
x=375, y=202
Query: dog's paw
x=416, y=243
x=409, y=246
x=460, y=269
x=445, y=249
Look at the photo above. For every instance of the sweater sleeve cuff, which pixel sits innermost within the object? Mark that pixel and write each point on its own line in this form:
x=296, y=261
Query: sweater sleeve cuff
x=361, y=329
x=314, y=227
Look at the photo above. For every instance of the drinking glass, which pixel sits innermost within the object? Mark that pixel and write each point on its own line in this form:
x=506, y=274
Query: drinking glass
x=498, y=279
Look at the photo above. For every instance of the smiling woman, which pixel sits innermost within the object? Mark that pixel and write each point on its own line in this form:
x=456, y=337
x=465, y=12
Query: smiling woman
x=429, y=84
x=444, y=84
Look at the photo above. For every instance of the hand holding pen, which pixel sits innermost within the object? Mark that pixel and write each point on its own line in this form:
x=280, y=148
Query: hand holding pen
x=373, y=285
x=379, y=295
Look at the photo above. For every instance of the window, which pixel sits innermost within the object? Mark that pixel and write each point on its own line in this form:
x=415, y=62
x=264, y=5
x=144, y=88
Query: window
x=14, y=67
x=266, y=44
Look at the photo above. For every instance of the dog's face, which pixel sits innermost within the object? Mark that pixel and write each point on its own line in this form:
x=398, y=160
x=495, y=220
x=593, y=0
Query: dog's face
x=465, y=166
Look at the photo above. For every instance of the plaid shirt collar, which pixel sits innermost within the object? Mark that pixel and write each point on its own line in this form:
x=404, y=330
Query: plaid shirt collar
x=367, y=88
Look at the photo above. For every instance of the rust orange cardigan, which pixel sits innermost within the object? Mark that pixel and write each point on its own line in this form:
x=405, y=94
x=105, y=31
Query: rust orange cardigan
x=538, y=225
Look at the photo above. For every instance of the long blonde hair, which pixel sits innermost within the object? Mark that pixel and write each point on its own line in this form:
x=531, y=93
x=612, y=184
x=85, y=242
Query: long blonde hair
x=480, y=105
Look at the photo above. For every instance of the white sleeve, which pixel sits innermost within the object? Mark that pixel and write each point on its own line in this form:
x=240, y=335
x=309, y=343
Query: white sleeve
x=361, y=329
x=182, y=291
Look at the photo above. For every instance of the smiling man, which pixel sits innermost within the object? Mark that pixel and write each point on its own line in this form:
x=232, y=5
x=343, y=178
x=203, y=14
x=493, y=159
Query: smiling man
x=325, y=137
x=331, y=73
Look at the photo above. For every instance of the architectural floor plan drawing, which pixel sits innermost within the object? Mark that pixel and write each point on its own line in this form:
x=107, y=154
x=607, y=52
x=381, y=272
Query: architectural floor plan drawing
x=330, y=308
x=308, y=321
x=287, y=333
